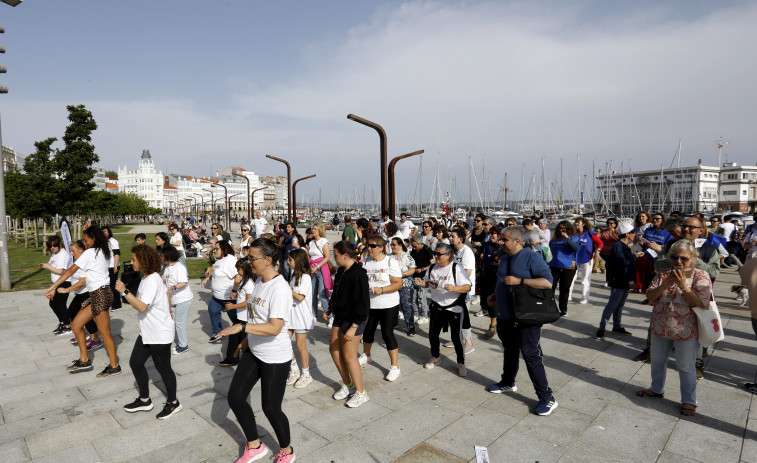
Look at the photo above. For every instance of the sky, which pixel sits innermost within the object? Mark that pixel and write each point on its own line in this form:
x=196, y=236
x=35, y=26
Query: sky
x=496, y=85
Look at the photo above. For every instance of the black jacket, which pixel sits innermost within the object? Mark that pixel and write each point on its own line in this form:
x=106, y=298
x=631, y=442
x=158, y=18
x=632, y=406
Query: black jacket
x=350, y=299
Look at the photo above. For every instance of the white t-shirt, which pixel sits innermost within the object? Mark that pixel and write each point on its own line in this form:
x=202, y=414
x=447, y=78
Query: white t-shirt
x=429, y=240
x=78, y=275
x=382, y=227
x=242, y=293
x=95, y=267
x=441, y=276
x=436, y=242
x=315, y=249
x=728, y=230
x=59, y=260
x=467, y=259
x=177, y=241
x=405, y=228
x=271, y=300
x=222, y=277
x=302, y=312
x=259, y=225
x=113, y=245
x=172, y=276
x=378, y=276
x=155, y=323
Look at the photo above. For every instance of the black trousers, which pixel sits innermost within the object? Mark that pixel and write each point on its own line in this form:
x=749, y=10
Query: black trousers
x=116, y=296
x=75, y=306
x=386, y=318
x=273, y=378
x=523, y=340
x=438, y=320
x=58, y=304
x=161, y=356
x=563, y=278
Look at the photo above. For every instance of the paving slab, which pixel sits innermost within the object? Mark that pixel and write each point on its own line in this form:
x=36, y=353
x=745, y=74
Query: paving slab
x=14, y=451
x=71, y=435
x=82, y=453
x=710, y=444
x=349, y=449
x=481, y=426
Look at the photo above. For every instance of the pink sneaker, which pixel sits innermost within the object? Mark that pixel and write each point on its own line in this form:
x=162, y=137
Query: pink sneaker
x=283, y=457
x=94, y=345
x=253, y=454
x=73, y=340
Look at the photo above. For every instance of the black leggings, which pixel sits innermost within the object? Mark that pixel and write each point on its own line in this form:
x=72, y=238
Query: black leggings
x=161, y=356
x=75, y=306
x=386, y=317
x=116, y=296
x=563, y=277
x=58, y=304
x=273, y=378
x=440, y=318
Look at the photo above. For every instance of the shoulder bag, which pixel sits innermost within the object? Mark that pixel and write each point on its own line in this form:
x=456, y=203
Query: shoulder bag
x=532, y=306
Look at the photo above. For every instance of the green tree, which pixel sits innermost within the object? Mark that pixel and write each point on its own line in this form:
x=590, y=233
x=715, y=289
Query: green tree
x=111, y=174
x=73, y=163
x=32, y=193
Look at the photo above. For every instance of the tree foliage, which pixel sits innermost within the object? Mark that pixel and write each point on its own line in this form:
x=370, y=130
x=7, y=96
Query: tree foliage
x=73, y=163
x=32, y=193
x=111, y=174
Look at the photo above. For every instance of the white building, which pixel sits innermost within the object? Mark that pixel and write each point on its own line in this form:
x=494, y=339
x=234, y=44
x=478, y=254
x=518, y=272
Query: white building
x=738, y=188
x=145, y=182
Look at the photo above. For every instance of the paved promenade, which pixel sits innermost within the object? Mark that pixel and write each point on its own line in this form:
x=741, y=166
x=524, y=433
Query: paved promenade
x=49, y=415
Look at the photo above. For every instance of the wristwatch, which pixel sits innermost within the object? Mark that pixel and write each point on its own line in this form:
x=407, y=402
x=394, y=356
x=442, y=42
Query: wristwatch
x=125, y=293
x=355, y=325
x=244, y=326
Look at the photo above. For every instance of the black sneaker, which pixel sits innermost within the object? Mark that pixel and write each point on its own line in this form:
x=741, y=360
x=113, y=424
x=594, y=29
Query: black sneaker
x=139, y=406
x=411, y=332
x=215, y=338
x=621, y=330
x=643, y=356
x=169, y=410
x=601, y=333
x=228, y=362
x=563, y=314
x=109, y=371
x=79, y=365
x=57, y=329
x=751, y=387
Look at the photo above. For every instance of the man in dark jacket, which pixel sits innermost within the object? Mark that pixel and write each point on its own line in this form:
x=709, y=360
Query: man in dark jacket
x=621, y=276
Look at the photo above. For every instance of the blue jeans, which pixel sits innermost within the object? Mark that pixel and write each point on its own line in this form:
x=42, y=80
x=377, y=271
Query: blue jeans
x=685, y=355
x=319, y=290
x=180, y=313
x=406, y=305
x=614, y=308
x=215, y=308
x=420, y=301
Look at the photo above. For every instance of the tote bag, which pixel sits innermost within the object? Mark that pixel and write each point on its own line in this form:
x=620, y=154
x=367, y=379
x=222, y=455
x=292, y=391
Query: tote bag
x=709, y=324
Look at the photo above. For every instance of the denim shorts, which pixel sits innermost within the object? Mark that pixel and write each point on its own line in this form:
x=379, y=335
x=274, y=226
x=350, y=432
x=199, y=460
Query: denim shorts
x=301, y=331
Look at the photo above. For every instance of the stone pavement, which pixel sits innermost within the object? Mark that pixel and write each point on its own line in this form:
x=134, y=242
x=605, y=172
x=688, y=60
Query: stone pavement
x=50, y=415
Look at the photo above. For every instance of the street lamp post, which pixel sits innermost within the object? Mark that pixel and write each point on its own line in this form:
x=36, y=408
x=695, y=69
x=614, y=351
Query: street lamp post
x=212, y=203
x=225, y=197
x=392, y=192
x=228, y=202
x=290, y=187
x=382, y=147
x=249, y=214
x=202, y=203
x=252, y=214
x=294, y=196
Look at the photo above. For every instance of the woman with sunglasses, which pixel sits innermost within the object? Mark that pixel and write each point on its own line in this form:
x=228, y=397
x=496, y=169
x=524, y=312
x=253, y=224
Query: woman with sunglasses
x=716, y=240
x=177, y=241
x=407, y=267
x=608, y=236
x=245, y=241
x=674, y=325
x=449, y=285
x=385, y=280
x=57, y=264
x=222, y=278
x=657, y=234
x=588, y=245
x=318, y=250
x=563, y=247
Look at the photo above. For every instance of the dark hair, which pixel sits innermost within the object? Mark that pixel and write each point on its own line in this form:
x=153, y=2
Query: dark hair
x=586, y=223
x=170, y=254
x=164, y=237
x=384, y=213
x=53, y=240
x=267, y=248
x=401, y=242
x=363, y=223
x=481, y=216
x=727, y=218
x=218, y=226
x=244, y=264
x=391, y=229
x=225, y=247
x=442, y=229
x=101, y=242
x=140, y=235
x=378, y=239
x=301, y=265
x=459, y=232
x=527, y=222
x=173, y=225
x=673, y=222
x=568, y=228
x=110, y=232
x=148, y=258
x=345, y=247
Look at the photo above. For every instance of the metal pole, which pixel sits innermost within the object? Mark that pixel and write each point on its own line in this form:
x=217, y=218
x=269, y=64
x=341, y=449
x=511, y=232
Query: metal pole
x=5, y=270
x=290, y=187
x=253, y=203
x=212, y=203
x=294, y=196
x=228, y=202
x=249, y=214
x=392, y=192
x=382, y=146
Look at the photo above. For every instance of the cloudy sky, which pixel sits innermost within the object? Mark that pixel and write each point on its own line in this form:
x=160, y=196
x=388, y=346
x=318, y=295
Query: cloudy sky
x=208, y=84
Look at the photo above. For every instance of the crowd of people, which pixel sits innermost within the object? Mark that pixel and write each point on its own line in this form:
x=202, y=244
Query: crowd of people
x=271, y=284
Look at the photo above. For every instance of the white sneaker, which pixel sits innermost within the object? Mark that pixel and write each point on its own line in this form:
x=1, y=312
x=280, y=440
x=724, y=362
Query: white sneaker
x=432, y=362
x=402, y=316
x=448, y=344
x=583, y=301
x=480, y=313
x=468, y=348
x=293, y=376
x=331, y=322
x=357, y=399
x=343, y=392
x=422, y=321
x=394, y=373
x=303, y=381
x=461, y=370
x=363, y=359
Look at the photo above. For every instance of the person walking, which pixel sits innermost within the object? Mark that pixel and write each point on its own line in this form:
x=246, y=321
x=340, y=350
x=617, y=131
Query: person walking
x=588, y=246
x=621, y=277
x=79, y=288
x=156, y=332
x=407, y=267
x=563, y=247
x=58, y=263
x=221, y=277
x=423, y=257
x=177, y=241
x=318, y=250
x=303, y=320
x=176, y=279
x=114, y=264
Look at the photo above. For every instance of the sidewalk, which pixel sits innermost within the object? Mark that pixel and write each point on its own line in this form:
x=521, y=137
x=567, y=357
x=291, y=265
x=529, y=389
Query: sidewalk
x=47, y=414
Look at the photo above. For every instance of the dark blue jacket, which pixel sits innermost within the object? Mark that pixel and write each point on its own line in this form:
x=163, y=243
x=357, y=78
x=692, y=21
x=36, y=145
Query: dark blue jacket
x=621, y=266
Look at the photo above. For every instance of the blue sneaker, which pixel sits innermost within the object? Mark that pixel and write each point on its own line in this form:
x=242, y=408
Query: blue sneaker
x=545, y=407
x=497, y=388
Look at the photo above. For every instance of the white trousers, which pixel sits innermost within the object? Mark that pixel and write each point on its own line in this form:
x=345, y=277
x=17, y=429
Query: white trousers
x=583, y=276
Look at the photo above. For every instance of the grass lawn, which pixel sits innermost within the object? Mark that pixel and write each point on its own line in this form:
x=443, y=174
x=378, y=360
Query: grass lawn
x=26, y=274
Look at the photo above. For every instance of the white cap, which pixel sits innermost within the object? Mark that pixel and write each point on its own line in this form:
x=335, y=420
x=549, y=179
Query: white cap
x=625, y=226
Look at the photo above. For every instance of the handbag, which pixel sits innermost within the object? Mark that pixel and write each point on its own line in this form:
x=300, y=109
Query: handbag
x=533, y=306
x=332, y=269
x=709, y=324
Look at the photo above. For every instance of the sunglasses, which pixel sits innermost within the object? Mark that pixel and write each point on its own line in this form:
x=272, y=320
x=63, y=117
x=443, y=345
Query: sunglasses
x=715, y=220
x=657, y=218
x=477, y=220
x=373, y=245
x=692, y=227
x=214, y=228
x=245, y=229
x=439, y=254
x=680, y=258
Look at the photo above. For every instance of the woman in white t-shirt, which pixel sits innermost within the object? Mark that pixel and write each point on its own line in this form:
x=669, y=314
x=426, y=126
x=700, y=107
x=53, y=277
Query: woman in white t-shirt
x=244, y=286
x=245, y=241
x=266, y=354
x=94, y=262
x=448, y=293
x=384, y=281
x=114, y=265
x=302, y=315
x=177, y=281
x=318, y=250
x=177, y=241
x=222, y=277
x=79, y=288
x=156, y=331
x=58, y=263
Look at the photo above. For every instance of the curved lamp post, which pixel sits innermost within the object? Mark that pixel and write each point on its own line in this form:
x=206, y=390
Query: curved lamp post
x=252, y=214
x=249, y=216
x=392, y=192
x=228, y=202
x=294, y=196
x=290, y=187
x=212, y=202
x=382, y=148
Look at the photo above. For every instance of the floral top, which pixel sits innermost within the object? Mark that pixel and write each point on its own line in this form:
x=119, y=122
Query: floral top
x=672, y=317
x=406, y=262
